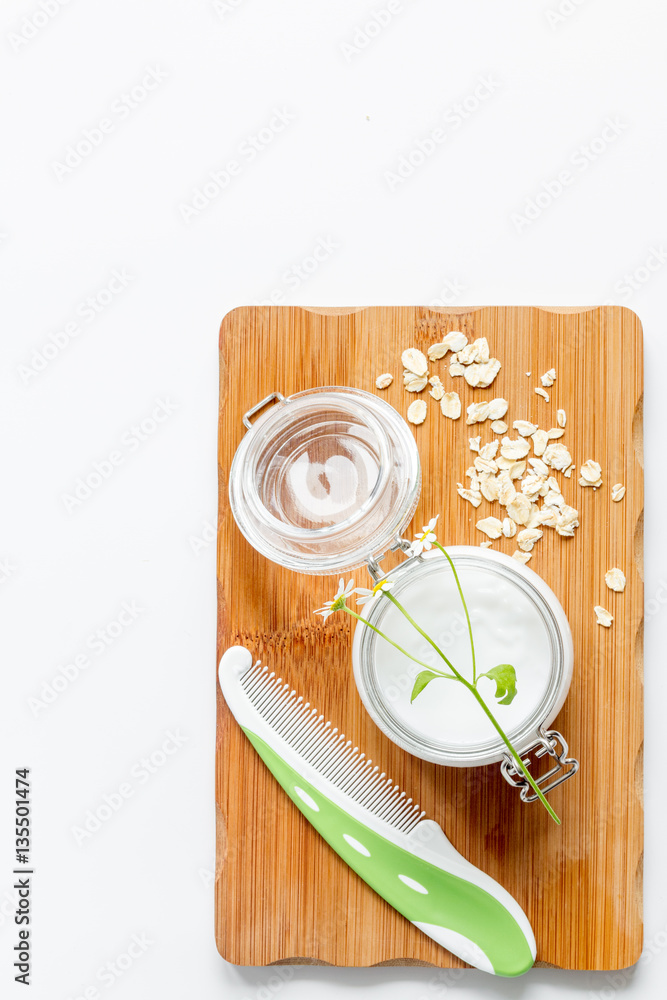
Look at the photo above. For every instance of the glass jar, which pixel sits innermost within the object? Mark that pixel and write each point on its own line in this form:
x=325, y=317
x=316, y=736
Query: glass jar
x=324, y=480
x=515, y=617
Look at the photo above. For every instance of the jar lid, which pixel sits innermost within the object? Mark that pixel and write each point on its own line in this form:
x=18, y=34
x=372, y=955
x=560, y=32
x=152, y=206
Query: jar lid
x=324, y=480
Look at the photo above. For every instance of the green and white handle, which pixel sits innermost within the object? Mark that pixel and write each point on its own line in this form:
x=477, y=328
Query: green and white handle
x=419, y=873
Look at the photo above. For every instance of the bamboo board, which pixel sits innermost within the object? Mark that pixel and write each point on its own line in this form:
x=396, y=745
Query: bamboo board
x=282, y=895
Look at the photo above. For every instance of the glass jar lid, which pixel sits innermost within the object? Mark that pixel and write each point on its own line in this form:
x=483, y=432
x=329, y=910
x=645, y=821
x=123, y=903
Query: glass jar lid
x=325, y=479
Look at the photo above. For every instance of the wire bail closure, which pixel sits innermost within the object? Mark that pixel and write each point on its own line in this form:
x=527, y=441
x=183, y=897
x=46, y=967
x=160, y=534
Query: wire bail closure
x=260, y=406
x=373, y=563
x=548, y=743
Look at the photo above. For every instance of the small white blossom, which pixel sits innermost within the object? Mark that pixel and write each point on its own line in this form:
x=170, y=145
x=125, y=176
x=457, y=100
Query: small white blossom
x=424, y=542
x=366, y=595
x=339, y=600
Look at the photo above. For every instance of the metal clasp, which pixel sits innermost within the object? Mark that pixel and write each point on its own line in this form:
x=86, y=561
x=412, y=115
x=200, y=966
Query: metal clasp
x=260, y=406
x=549, y=742
x=373, y=564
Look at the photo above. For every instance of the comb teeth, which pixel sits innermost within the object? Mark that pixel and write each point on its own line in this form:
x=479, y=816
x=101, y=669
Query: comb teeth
x=326, y=750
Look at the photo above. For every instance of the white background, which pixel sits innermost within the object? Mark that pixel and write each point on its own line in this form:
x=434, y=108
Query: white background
x=358, y=99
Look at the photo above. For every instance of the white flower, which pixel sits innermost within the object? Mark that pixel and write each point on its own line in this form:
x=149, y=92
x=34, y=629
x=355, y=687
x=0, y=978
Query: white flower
x=424, y=542
x=366, y=595
x=340, y=598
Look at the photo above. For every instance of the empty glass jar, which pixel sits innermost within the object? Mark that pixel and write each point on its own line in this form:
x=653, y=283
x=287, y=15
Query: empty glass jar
x=325, y=479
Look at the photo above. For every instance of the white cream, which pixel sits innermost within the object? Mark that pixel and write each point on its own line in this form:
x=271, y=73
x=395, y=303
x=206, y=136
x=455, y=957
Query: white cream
x=507, y=628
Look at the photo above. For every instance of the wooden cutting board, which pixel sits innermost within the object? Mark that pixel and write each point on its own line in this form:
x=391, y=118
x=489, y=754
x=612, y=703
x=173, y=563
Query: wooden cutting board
x=282, y=895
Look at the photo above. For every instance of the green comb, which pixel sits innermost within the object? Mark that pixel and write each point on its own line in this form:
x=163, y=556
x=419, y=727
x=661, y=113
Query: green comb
x=374, y=828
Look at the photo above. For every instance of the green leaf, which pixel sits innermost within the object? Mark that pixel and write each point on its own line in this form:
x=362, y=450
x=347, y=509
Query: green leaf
x=422, y=679
x=505, y=677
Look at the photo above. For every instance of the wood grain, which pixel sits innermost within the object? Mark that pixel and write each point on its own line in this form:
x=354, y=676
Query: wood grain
x=282, y=895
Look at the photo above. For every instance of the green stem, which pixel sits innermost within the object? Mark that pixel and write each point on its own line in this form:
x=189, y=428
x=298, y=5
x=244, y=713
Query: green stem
x=471, y=687
x=395, y=644
x=465, y=608
x=422, y=633
x=515, y=755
